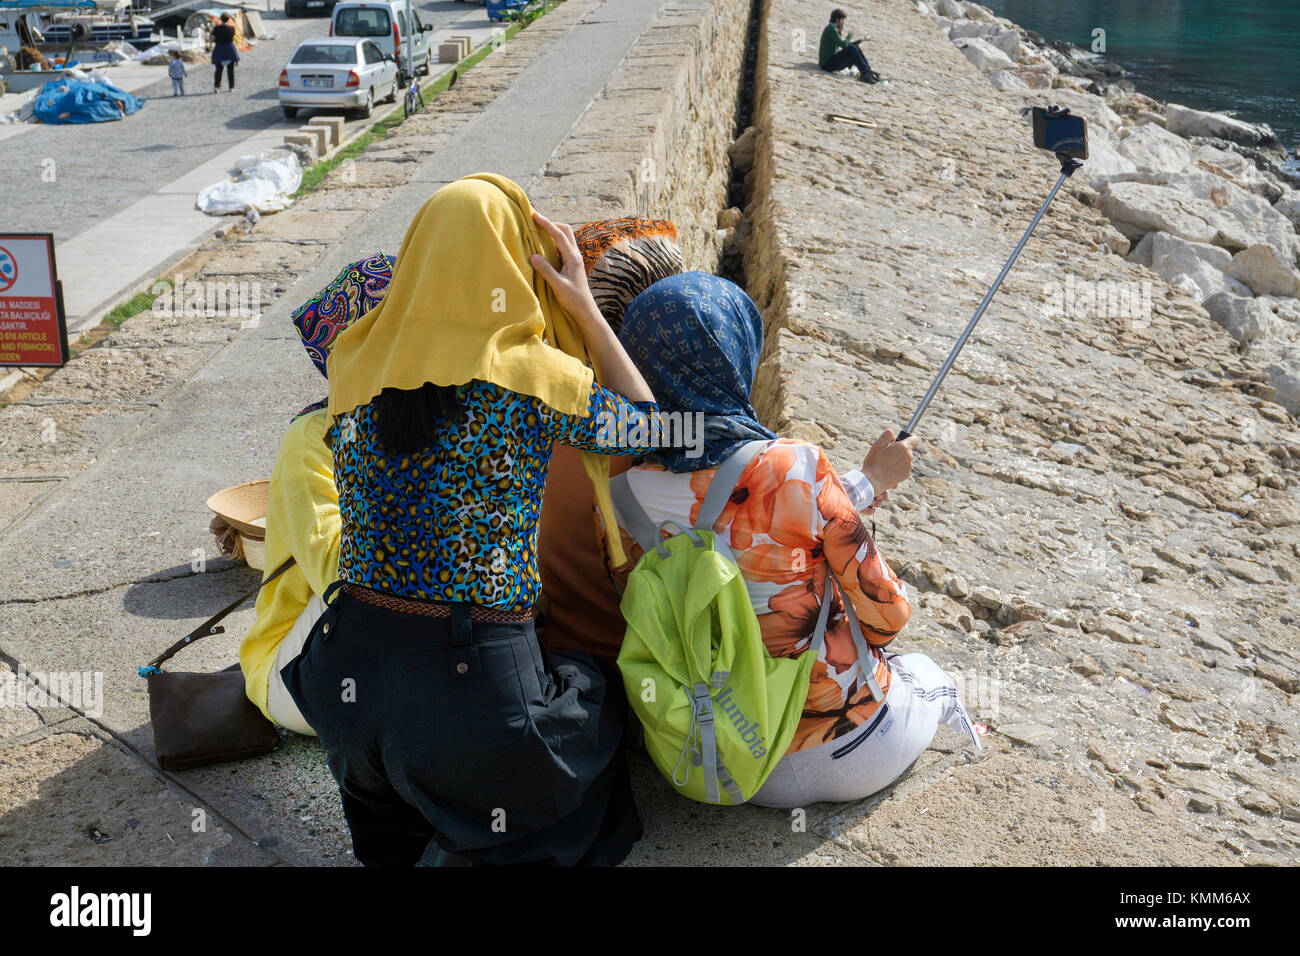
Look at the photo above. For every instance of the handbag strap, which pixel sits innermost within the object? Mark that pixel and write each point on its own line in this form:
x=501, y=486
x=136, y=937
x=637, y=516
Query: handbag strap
x=209, y=627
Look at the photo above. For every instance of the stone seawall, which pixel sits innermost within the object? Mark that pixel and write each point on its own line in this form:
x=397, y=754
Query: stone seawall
x=655, y=141
x=1102, y=534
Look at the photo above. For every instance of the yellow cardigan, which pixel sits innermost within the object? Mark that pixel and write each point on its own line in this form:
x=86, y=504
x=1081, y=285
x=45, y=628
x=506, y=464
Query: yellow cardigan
x=303, y=520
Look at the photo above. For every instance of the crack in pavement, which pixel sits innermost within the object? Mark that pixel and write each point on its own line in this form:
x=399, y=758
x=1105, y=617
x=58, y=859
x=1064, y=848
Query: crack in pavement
x=91, y=592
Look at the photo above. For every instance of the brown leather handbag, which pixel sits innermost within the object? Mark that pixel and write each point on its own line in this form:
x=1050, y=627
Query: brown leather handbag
x=201, y=719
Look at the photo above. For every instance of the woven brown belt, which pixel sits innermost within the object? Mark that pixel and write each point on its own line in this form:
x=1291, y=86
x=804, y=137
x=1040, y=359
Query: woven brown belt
x=434, y=608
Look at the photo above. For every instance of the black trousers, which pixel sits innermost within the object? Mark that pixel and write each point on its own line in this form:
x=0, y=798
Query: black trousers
x=458, y=736
x=230, y=76
x=849, y=56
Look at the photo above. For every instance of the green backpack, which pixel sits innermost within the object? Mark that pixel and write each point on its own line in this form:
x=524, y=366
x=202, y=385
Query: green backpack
x=718, y=710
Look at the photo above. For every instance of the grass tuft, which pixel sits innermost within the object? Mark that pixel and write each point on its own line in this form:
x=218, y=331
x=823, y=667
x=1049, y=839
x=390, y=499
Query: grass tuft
x=133, y=306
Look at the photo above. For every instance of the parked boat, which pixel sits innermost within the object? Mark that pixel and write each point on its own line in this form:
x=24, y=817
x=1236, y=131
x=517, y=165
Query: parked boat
x=49, y=24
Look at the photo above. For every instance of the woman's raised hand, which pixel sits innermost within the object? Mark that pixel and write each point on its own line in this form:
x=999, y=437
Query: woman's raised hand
x=570, y=282
x=889, y=463
x=613, y=368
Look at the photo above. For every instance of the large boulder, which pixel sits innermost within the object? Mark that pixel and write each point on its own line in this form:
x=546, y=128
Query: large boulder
x=1239, y=169
x=1008, y=41
x=1284, y=376
x=1242, y=317
x=950, y=8
x=1125, y=100
x=977, y=12
x=1074, y=84
x=1105, y=163
x=1144, y=207
x=1289, y=207
x=1251, y=221
x=1092, y=108
x=986, y=57
x=1265, y=271
x=1154, y=149
x=1202, y=184
x=1243, y=222
x=1006, y=80
x=1197, y=267
x=969, y=28
x=1189, y=122
x=1037, y=76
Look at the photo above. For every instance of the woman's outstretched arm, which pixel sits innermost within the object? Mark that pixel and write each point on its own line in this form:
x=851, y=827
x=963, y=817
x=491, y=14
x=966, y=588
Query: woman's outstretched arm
x=613, y=368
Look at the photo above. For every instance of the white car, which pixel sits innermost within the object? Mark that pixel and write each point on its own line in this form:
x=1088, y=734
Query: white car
x=337, y=73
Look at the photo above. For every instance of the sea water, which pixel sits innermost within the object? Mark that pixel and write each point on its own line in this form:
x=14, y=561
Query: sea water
x=1240, y=57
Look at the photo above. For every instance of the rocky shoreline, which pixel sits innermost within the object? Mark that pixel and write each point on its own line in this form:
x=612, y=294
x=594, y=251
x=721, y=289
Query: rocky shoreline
x=1203, y=200
x=1102, y=533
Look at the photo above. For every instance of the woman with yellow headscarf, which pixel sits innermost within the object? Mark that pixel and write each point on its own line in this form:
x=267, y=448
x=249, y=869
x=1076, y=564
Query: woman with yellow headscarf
x=452, y=736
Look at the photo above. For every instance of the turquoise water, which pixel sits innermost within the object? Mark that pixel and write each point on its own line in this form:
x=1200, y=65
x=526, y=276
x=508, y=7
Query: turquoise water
x=1240, y=57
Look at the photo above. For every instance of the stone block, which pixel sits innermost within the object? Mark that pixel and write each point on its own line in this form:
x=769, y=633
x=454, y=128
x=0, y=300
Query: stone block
x=309, y=140
x=334, y=125
x=320, y=138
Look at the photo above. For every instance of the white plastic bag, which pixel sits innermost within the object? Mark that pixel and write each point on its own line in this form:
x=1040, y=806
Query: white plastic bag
x=264, y=184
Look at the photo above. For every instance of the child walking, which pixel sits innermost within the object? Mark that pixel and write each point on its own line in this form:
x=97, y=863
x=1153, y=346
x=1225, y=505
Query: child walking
x=176, y=70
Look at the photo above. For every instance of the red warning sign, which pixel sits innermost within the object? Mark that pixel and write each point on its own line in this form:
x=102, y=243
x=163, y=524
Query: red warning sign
x=32, y=325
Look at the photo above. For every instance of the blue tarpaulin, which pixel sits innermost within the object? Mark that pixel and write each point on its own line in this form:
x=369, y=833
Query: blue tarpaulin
x=501, y=9
x=80, y=101
x=52, y=4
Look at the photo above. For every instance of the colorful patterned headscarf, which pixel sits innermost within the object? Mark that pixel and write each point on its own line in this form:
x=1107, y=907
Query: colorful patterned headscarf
x=697, y=340
x=624, y=257
x=354, y=292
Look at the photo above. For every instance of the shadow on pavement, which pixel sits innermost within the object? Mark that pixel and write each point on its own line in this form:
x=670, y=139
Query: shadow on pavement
x=179, y=593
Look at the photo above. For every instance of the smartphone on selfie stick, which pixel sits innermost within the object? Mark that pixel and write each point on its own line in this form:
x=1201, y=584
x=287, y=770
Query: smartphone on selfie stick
x=1059, y=131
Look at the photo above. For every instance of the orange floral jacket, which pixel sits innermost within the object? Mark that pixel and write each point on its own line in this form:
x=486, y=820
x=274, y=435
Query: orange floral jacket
x=787, y=523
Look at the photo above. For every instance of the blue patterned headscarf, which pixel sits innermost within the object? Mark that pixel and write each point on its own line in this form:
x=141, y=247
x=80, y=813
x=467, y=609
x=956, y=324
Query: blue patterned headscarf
x=697, y=339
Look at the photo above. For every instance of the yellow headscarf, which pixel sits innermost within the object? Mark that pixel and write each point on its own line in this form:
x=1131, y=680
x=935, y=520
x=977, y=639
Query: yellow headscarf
x=466, y=303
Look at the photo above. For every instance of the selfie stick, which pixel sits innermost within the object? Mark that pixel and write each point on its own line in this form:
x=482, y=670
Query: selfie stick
x=1068, y=166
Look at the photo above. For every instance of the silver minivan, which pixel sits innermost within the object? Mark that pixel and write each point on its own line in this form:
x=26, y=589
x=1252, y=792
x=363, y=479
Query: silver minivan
x=384, y=21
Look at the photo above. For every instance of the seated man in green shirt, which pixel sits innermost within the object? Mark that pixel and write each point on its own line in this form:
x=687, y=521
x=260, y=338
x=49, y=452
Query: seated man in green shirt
x=837, y=51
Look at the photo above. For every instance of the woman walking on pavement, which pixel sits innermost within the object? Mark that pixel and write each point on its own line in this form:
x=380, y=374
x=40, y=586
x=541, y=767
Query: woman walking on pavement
x=224, y=53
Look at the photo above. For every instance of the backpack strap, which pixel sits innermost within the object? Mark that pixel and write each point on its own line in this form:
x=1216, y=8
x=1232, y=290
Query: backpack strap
x=824, y=615
x=865, y=658
x=645, y=532
x=724, y=483
x=631, y=515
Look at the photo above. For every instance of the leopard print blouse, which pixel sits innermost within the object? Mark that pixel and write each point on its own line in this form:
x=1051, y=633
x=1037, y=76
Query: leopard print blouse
x=458, y=521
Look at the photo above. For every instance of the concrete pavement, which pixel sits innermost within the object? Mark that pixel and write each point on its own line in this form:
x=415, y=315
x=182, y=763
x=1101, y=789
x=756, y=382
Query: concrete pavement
x=101, y=573
x=108, y=249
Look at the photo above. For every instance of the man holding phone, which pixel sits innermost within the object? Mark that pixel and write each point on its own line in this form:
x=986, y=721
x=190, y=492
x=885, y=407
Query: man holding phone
x=837, y=51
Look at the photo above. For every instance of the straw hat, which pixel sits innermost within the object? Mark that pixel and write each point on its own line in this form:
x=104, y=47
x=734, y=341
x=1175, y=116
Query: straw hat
x=243, y=507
